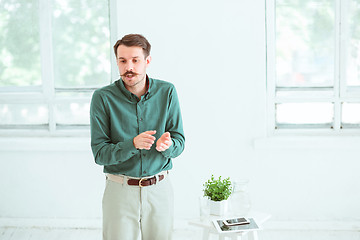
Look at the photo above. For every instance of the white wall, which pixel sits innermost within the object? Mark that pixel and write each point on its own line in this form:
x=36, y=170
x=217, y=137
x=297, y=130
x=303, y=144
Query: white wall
x=214, y=53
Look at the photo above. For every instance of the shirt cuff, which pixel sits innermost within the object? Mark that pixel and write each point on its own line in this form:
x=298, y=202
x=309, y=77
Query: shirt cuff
x=127, y=147
x=167, y=153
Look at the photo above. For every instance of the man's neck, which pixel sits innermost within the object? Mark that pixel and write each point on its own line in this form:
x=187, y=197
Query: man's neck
x=139, y=89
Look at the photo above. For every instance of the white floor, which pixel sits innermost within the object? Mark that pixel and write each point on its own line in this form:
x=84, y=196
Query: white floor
x=11, y=233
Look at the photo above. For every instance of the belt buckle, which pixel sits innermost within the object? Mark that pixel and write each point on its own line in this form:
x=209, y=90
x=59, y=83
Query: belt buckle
x=142, y=179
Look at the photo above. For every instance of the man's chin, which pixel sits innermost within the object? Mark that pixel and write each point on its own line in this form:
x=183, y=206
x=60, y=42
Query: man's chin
x=132, y=82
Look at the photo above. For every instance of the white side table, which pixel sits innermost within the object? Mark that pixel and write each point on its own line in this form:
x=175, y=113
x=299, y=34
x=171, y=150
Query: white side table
x=209, y=228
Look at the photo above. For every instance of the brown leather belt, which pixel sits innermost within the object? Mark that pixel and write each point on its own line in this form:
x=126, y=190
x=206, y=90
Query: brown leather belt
x=144, y=182
x=141, y=182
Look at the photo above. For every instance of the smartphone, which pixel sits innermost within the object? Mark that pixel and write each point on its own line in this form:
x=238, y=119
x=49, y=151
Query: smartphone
x=236, y=221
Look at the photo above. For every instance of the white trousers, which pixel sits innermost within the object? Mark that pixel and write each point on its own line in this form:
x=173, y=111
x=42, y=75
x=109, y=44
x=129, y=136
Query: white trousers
x=130, y=211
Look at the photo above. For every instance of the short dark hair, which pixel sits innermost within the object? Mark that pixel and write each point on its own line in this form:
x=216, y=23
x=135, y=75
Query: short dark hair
x=132, y=40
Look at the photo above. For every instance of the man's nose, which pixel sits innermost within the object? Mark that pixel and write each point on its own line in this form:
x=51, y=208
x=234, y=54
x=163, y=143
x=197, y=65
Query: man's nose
x=129, y=67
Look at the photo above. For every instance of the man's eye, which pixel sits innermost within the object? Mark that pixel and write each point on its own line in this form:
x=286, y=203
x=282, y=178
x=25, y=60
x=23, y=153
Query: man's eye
x=135, y=60
x=122, y=61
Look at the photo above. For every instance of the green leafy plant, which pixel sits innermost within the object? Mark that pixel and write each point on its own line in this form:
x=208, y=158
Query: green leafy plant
x=217, y=189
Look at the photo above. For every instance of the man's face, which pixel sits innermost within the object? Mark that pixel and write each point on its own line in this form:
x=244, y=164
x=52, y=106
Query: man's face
x=132, y=64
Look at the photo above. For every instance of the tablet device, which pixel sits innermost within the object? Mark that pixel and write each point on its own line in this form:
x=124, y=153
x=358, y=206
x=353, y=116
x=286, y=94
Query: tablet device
x=222, y=228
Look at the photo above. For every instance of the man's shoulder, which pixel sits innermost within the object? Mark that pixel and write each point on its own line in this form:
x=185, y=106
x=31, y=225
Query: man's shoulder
x=162, y=84
x=106, y=89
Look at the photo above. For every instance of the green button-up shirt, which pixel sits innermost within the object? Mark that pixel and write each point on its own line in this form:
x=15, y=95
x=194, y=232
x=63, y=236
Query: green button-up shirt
x=117, y=116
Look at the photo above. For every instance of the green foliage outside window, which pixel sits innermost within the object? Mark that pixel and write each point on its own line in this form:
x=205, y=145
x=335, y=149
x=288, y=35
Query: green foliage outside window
x=81, y=43
x=79, y=36
x=19, y=43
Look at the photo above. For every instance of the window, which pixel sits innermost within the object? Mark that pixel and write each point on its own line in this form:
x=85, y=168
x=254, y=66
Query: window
x=54, y=55
x=313, y=65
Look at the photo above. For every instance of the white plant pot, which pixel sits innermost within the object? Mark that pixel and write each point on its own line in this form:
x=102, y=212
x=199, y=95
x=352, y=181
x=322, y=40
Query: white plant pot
x=218, y=207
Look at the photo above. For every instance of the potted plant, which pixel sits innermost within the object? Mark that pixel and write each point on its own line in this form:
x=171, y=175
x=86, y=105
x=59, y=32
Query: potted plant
x=218, y=191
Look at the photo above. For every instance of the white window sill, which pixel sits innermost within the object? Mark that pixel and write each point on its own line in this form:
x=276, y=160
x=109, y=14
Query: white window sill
x=308, y=142
x=45, y=144
x=24, y=133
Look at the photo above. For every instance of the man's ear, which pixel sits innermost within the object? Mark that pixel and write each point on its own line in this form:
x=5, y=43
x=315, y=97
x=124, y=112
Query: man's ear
x=148, y=60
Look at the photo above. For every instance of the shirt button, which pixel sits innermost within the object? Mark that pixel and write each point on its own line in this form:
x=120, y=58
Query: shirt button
x=140, y=119
x=143, y=154
x=144, y=172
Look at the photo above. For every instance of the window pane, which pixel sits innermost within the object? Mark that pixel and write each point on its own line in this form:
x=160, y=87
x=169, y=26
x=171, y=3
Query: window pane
x=352, y=44
x=81, y=43
x=23, y=114
x=350, y=114
x=304, y=113
x=305, y=43
x=19, y=43
x=73, y=114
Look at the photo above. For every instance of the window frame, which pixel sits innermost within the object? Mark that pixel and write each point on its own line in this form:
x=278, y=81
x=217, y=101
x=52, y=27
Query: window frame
x=341, y=92
x=46, y=93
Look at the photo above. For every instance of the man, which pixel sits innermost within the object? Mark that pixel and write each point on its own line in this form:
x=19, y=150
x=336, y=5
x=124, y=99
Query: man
x=136, y=129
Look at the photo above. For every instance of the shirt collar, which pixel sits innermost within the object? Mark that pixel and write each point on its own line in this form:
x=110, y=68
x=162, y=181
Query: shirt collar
x=130, y=95
x=149, y=86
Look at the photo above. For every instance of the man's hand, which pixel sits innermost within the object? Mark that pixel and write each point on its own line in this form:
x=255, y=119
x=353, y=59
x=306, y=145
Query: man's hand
x=164, y=142
x=144, y=140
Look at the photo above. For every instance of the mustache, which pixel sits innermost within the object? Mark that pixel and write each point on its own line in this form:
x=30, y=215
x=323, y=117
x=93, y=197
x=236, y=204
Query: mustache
x=129, y=72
